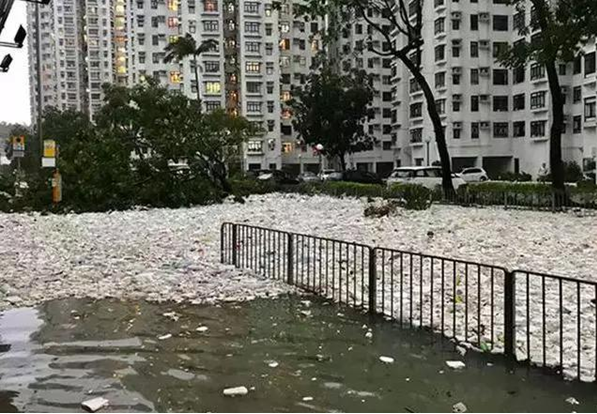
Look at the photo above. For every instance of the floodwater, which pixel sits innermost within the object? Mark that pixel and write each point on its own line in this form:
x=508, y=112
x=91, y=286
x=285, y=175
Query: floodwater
x=293, y=356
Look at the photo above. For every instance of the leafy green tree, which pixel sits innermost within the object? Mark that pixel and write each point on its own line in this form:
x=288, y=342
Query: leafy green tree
x=331, y=110
x=186, y=46
x=405, y=19
x=563, y=27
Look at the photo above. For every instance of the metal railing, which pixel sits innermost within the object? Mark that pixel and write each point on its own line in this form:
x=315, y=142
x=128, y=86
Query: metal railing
x=546, y=320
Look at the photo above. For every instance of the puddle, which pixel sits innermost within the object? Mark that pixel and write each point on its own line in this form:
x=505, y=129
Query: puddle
x=56, y=356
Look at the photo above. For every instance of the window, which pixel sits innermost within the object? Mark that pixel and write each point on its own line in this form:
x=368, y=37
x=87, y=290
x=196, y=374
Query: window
x=254, y=87
x=500, y=23
x=268, y=10
x=441, y=106
x=500, y=77
x=268, y=29
x=254, y=107
x=416, y=135
x=456, y=79
x=284, y=44
x=210, y=5
x=271, y=125
x=255, y=146
x=474, y=76
x=456, y=133
x=440, y=53
x=386, y=145
x=500, y=103
x=562, y=69
x=499, y=48
x=577, y=65
x=252, y=27
x=440, y=25
x=577, y=124
x=589, y=63
x=253, y=47
x=456, y=105
x=590, y=108
x=474, y=49
x=286, y=129
x=577, y=94
x=538, y=128
x=416, y=110
x=211, y=106
x=537, y=71
x=213, y=88
x=212, y=66
x=251, y=7
x=475, y=130
x=519, y=20
x=455, y=51
x=210, y=25
x=518, y=102
x=500, y=129
x=253, y=67
x=440, y=80
x=474, y=103
x=519, y=74
x=175, y=76
x=455, y=24
x=519, y=129
x=538, y=99
x=474, y=22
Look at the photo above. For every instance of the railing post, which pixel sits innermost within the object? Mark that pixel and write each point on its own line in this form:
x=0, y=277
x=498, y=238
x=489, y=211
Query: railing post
x=234, y=245
x=505, y=200
x=510, y=314
x=290, y=260
x=372, y=282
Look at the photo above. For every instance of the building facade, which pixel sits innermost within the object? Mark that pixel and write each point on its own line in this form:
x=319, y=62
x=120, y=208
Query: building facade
x=495, y=118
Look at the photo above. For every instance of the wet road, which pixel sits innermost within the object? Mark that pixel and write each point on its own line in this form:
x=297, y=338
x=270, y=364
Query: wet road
x=292, y=356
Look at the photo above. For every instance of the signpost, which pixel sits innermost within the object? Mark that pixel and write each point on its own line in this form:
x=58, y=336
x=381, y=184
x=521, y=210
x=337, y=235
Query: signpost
x=49, y=161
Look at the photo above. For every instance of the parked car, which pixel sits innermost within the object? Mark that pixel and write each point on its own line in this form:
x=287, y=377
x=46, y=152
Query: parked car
x=362, y=177
x=277, y=177
x=473, y=174
x=308, y=177
x=430, y=177
x=325, y=175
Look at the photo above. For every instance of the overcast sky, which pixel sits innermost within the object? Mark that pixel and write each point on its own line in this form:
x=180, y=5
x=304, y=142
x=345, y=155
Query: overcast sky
x=14, y=85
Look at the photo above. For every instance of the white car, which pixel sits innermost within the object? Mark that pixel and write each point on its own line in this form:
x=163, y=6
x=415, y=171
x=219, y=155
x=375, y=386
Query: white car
x=473, y=174
x=429, y=177
x=326, y=175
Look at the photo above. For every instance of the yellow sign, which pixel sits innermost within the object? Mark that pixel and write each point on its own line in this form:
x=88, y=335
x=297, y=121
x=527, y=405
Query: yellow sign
x=49, y=148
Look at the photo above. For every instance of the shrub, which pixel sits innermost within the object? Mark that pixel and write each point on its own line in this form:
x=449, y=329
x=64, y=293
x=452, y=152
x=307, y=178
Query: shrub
x=413, y=196
x=381, y=210
x=511, y=176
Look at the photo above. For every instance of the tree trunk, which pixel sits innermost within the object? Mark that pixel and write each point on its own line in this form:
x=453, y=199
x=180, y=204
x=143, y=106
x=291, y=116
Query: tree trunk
x=342, y=161
x=555, y=139
x=197, y=77
x=440, y=137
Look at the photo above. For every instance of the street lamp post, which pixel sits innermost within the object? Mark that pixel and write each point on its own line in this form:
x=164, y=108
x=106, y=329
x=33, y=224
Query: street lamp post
x=319, y=149
x=427, y=143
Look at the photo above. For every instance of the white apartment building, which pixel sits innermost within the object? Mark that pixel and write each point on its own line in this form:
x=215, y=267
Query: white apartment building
x=495, y=118
x=76, y=53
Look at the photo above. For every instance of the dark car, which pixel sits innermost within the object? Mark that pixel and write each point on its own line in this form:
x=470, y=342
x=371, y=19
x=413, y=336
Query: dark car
x=277, y=177
x=361, y=177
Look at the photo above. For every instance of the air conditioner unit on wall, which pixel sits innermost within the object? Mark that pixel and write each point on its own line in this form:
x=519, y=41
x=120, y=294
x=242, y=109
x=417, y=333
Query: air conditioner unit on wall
x=484, y=17
x=484, y=71
x=484, y=44
x=485, y=125
x=457, y=97
x=484, y=98
x=457, y=125
x=456, y=15
x=456, y=42
x=457, y=70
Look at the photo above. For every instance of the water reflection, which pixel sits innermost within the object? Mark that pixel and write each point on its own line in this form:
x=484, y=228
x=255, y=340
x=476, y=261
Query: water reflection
x=55, y=357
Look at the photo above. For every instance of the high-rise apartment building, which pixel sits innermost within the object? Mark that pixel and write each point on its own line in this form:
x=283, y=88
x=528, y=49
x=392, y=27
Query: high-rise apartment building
x=494, y=117
x=76, y=53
